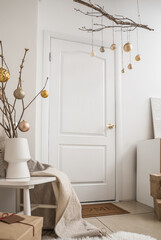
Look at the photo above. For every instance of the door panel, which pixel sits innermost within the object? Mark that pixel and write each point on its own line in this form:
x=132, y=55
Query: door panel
x=77, y=93
x=81, y=158
x=81, y=105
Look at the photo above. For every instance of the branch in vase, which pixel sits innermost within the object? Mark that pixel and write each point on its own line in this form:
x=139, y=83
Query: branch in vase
x=37, y=94
x=24, y=108
x=21, y=67
x=10, y=117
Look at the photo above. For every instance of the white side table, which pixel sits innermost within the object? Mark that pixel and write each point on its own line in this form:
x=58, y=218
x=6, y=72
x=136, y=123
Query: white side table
x=26, y=186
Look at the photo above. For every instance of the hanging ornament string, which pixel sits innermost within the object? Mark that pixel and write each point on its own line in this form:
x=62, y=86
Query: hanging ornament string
x=137, y=40
x=122, y=53
x=137, y=57
x=130, y=66
x=92, y=52
x=127, y=35
x=102, y=49
x=113, y=33
x=92, y=30
x=128, y=46
x=130, y=51
x=138, y=12
x=113, y=46
x=102, y=30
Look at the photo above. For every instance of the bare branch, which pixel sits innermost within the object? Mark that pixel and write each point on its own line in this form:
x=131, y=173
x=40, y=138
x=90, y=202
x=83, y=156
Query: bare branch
x=104, y=27
x=123, y=21
x=21, y=67
x=37, y=94
x=23, y=110
x=94, y=14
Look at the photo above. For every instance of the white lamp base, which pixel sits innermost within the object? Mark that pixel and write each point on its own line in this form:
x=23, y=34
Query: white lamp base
x=17, y=170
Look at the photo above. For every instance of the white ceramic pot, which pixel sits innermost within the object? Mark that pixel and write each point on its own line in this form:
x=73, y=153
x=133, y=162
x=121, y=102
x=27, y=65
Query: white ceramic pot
x=17, y=154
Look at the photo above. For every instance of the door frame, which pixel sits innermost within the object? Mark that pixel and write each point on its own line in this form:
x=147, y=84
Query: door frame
x=118, y=103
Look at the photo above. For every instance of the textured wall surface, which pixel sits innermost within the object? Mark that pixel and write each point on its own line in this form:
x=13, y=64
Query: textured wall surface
x=18, y=24
x=137, y=85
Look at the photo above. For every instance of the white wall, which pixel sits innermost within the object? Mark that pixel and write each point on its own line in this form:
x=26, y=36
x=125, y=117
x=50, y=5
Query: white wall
x=18, y=30
x=137, y=85
x=18, y=24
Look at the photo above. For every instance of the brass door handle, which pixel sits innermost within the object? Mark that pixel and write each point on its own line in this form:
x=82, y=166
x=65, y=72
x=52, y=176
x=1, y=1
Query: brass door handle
x=110, y=126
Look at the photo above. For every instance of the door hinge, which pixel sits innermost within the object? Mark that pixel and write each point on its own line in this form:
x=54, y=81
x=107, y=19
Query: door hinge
x=49, y=56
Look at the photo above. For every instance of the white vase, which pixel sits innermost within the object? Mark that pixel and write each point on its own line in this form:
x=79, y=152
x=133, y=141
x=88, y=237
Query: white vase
x=17, y=154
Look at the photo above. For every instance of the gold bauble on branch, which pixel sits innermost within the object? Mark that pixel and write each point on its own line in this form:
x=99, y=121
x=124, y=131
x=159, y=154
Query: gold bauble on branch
x=19, y=93
x=138, y=57
x=130, y=66
x=24, y=126
x=92, y=54
x=128, y=47
x=113, y=46
x=44, y=93
x=123, y=70
x=4, y=75
x=102, y=49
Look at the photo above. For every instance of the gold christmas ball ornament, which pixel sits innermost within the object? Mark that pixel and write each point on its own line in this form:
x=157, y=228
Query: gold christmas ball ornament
x=92, y=54
x=102, y=49
x=123, y=70
x=19, y=93
x=24, y=126
x=138, y=57
x=113, y=46
x=130, y=66
x=128, y=47
x=4, y=75
x=44, y=93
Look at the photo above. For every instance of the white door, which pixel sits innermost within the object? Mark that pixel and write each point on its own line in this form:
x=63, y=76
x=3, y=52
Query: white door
x=81, y=105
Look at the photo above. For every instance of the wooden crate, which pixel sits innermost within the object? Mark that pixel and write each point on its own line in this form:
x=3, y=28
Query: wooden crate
x=157, y=208
x=155, y=185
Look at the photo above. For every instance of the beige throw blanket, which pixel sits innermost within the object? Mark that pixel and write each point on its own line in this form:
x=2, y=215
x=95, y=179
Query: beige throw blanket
x=69, y=222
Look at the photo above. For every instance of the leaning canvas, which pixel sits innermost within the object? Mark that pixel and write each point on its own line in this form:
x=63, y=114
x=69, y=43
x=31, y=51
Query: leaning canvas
x=156, y=115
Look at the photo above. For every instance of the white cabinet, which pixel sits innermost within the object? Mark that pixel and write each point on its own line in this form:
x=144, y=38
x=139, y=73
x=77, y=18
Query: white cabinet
x=148, y=161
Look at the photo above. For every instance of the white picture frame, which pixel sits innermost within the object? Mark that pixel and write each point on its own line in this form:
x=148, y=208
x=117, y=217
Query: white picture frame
x=156, y=116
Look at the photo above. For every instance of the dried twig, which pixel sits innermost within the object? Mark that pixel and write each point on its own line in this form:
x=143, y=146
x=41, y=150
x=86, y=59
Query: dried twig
x=21, y=67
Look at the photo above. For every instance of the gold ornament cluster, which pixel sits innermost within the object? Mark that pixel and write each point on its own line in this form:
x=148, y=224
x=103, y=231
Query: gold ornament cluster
x=127, y=47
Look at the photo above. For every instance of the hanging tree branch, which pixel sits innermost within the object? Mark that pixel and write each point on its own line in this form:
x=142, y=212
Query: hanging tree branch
x=120, y=21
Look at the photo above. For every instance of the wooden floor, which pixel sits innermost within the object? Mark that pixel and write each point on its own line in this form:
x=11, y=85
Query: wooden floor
x=141, y=219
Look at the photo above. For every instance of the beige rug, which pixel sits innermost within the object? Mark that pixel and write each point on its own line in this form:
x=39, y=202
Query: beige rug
x=103, y=209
